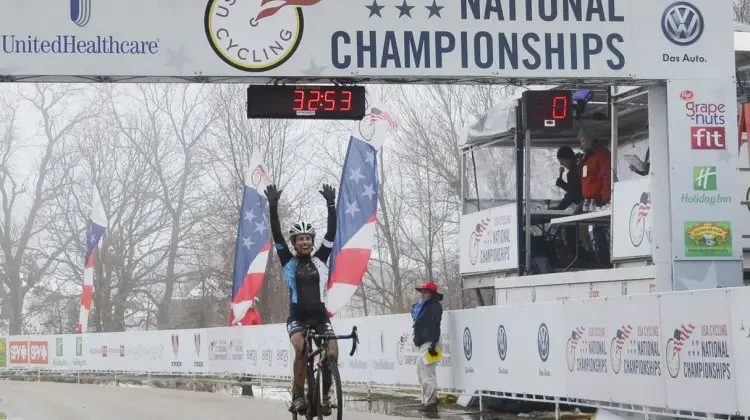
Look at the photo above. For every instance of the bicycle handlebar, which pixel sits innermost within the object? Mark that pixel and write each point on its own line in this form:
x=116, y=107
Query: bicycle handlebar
x=353, y=336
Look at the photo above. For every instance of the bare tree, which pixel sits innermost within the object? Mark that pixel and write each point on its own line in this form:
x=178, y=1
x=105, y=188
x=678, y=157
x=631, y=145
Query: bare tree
x=742, y=11
x=30, y=174
x=168, y=131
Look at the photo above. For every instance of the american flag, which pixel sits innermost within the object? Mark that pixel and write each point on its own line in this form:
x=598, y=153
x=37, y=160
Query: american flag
x=96, y=227
x=281, y=4
x=644, y=205
x=576, y=336
x=622, y=334
x=681, y=335
x=252, y=245
x=356, y=214
x=378, y=115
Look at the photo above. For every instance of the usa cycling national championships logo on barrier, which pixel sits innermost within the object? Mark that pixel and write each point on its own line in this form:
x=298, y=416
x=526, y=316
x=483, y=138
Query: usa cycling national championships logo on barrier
x=80, y=12
x=255, y=36
x=682, y=23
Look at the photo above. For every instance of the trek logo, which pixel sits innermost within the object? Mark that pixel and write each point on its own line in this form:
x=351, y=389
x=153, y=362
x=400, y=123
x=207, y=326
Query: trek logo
x=80, y=12
x=708, y=138
x=704, y=178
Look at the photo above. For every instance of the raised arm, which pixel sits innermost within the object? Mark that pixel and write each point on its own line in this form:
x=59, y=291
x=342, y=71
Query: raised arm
x=278, y=237
x=329, y=193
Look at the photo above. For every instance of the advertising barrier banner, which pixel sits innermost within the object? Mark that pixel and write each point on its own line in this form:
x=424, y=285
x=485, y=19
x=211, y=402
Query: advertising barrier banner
x=740, y=336
x=699, y=351
x=543, y=337
x=666, y=351
x=632, y=219
x=489, y=240
x=323, y=39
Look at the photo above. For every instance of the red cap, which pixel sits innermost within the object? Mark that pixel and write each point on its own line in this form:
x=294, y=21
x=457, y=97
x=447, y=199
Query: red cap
x=430, y=285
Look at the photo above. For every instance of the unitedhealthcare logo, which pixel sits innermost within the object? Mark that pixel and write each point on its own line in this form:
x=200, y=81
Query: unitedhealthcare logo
x=80, y=12
x=682, y=23
x=75, y=44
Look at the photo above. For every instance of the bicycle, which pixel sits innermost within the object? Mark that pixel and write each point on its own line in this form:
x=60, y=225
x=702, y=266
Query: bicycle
x=315, y=378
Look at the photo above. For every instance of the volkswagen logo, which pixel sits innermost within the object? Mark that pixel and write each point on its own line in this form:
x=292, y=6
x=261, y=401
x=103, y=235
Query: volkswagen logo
x=542, y=342
x=467, y=343
x=502, y=342
x=682, y=23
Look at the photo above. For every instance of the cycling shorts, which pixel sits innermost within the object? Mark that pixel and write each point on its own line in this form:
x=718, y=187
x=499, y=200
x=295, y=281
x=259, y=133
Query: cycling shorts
x=296, y=324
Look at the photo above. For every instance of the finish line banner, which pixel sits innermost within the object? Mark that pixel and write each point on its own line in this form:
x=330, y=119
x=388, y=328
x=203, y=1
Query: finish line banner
x=661, y=351
x=506, y=39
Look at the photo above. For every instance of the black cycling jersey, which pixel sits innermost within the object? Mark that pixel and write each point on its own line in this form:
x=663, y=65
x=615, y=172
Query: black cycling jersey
x=303, y=275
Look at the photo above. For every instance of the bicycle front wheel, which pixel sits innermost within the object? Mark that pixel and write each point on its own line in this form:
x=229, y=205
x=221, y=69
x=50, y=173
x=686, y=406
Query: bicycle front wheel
x=336, y=394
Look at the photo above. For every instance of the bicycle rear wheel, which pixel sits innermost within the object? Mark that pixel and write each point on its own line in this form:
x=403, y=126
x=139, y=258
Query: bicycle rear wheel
x=336, y=394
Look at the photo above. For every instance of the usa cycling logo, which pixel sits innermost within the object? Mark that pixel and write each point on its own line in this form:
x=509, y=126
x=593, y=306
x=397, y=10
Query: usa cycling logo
x=682, y=23
x=80, y=12
x=255, y=36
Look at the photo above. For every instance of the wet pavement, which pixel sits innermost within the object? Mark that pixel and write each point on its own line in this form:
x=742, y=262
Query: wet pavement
x=397, y=403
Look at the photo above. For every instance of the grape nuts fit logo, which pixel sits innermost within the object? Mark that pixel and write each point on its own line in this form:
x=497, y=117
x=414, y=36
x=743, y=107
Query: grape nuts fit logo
x=255, y=36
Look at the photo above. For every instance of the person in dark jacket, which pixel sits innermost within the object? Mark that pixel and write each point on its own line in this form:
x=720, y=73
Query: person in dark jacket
x=572, y=185
x=427, y=315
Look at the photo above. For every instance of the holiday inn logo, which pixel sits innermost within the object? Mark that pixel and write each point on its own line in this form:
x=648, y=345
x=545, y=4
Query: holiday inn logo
x=705, y=184
x=704, y=178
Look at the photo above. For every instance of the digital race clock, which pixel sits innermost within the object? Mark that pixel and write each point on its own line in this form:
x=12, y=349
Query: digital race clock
x=547, y=110
x=306, y=102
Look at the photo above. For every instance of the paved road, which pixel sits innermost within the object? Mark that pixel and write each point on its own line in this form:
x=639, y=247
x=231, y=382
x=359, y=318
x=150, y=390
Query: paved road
x=53, y=401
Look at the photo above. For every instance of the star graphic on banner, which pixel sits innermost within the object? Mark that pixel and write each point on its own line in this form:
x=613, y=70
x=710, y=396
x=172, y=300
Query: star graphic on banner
x=260, y=227
x=375, y=9
x=177, y=58
x=246, y=242
x=725, y=156
x=92, y=238
x=404, y=10
x=249, y=216
x=370, y=158
x=369, y=191
x=355, y=175
x=699, y=281
x=352, y=208
x=314, y=69
x=434, y=9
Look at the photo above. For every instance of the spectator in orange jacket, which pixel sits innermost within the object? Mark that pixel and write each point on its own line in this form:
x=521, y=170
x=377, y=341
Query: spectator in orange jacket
x=596, y=169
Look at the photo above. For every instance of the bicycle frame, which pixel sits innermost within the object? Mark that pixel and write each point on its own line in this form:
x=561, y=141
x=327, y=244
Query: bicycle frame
x=321, y=340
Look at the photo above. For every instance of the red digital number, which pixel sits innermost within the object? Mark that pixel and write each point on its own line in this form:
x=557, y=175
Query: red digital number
x=299, y=100
x=347, y=101
x=330, y=100
x=559, y=108
x=314, y=101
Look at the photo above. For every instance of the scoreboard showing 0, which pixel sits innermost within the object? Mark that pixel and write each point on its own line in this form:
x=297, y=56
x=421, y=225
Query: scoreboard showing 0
x=306, y=102
x=547, y=110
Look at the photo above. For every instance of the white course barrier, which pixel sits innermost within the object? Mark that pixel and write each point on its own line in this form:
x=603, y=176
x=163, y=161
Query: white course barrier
x=674, y=351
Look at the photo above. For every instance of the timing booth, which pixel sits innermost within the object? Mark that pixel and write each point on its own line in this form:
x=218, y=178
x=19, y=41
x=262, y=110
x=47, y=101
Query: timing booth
x=515, y=144
x=509, y=168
